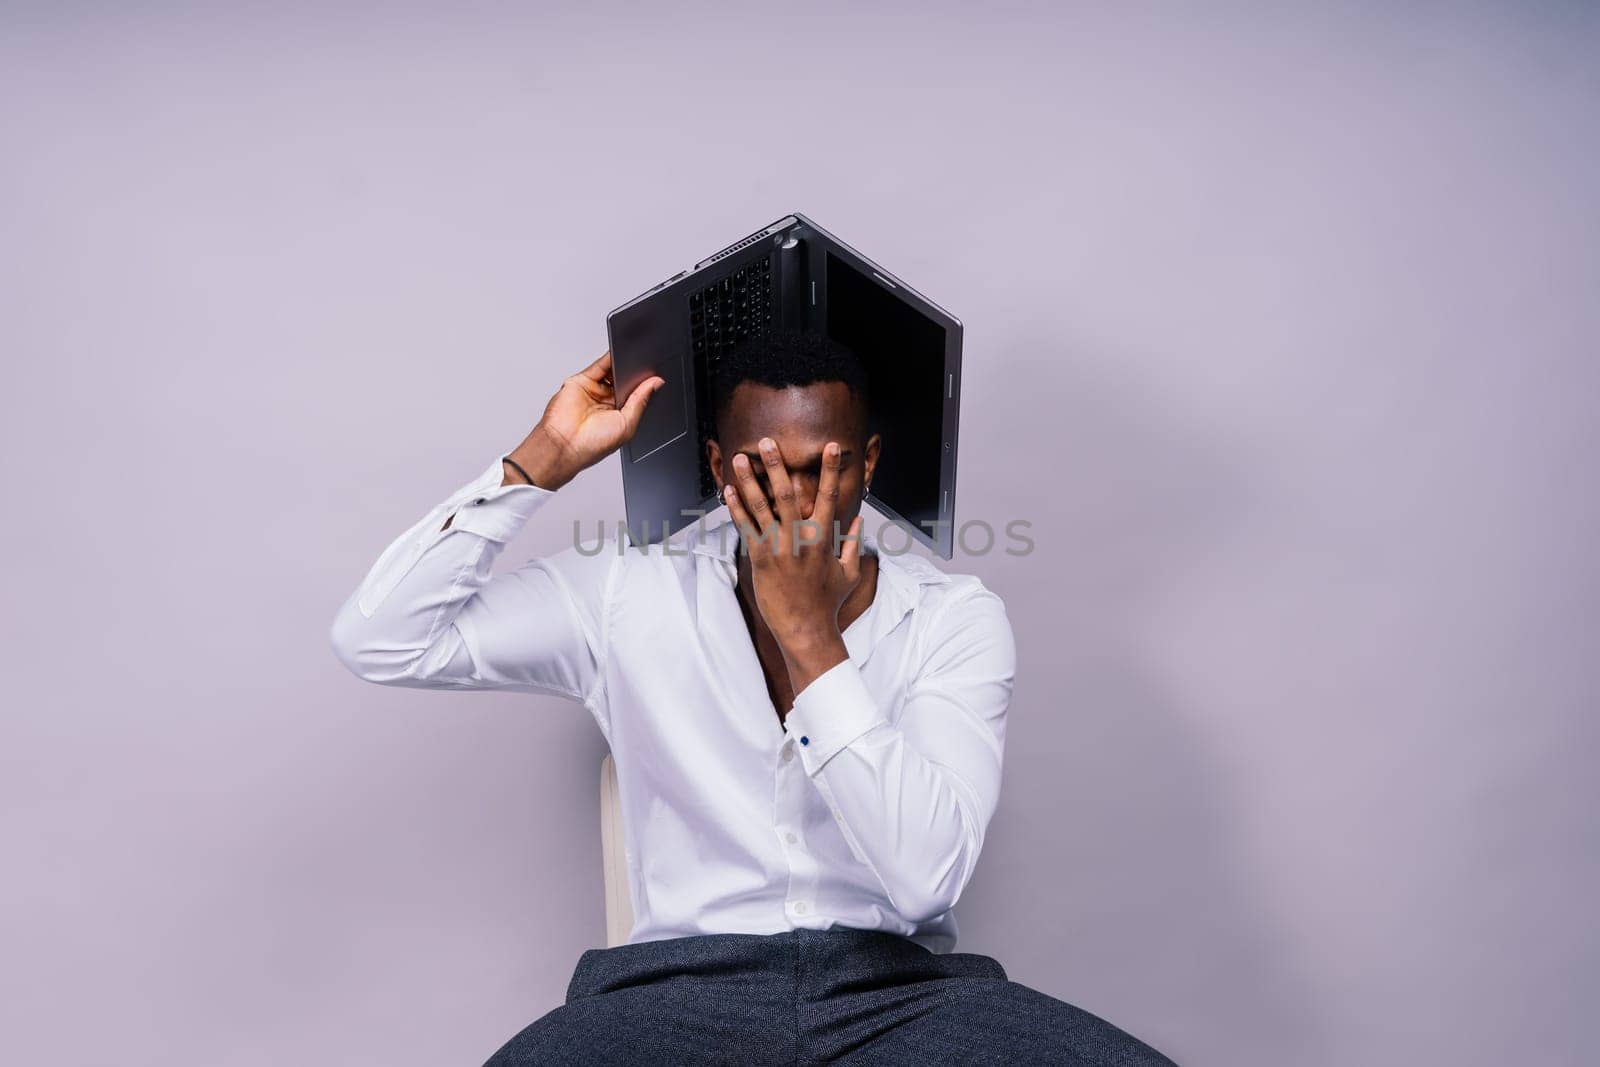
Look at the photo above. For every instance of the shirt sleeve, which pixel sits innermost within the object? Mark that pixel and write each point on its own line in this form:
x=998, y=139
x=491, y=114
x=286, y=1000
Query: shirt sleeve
x=914, y=798
x=431, y=614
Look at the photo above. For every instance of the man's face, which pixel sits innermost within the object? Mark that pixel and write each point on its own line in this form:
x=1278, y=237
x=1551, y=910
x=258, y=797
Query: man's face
x=801, y=419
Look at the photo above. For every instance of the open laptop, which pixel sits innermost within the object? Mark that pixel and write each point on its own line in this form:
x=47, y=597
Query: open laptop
x=791, y=275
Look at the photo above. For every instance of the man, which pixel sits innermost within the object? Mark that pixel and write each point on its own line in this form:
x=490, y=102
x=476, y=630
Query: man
x=807, y=733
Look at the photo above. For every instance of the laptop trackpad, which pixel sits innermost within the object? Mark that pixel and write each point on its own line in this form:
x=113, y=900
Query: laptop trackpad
x=666, y=415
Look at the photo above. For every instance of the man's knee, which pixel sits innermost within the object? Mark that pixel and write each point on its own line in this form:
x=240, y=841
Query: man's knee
x=1047, y=1023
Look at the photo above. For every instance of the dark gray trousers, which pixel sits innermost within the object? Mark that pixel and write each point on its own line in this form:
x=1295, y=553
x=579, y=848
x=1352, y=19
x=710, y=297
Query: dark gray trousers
x=810, y=996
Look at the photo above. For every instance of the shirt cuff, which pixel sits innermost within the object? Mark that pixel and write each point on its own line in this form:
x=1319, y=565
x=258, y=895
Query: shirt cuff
x=491, y=510
x=830, y=713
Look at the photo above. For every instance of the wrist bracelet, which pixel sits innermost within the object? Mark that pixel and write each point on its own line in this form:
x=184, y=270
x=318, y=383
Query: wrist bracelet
x=518, y=468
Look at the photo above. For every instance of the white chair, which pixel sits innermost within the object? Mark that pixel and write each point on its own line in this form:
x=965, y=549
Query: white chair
x=614, y=858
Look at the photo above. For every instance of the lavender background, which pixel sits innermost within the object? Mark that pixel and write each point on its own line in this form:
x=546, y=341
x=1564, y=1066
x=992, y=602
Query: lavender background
x=1282, y=329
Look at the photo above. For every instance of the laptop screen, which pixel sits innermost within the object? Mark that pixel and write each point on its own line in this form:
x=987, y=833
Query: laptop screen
x=903, y=351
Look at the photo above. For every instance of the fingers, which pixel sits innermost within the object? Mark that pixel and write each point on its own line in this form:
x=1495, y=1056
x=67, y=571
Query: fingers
x=827, y=501
x=850, y=557
x=778, y=477
x=633, y=407
x=600, y=370
x=754, y=541
x=754, y=501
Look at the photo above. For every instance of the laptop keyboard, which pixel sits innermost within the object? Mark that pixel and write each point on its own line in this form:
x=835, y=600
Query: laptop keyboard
x=732, y=309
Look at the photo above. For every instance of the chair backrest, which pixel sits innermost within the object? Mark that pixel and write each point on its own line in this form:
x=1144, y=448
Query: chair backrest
x=614, y=858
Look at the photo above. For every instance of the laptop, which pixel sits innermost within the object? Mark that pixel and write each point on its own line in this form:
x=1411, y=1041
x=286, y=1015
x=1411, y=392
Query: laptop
x=791, y=275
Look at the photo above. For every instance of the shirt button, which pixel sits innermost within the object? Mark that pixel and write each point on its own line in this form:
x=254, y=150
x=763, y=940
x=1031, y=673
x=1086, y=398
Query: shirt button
x=800, y=906
x=788, y=754
x=805, y=740
x=480, y=500
x=789, y=837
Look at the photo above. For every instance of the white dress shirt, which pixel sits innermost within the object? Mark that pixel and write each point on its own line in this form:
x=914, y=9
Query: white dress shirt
x=866, y=808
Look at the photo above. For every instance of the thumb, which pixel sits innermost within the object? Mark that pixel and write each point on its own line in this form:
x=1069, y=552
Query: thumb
x=850, y=555
x=633, y=407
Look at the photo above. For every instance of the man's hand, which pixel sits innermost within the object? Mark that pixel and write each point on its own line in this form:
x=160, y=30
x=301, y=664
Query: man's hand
x=582, y=425
x=799, y=583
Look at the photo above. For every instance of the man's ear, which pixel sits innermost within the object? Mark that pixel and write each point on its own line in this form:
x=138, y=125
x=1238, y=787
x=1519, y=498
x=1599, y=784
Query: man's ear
x=873, y=450
x=714, y=458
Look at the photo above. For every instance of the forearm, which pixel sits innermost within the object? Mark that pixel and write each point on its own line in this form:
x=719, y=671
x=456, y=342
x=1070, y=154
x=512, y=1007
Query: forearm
x=430, y=614
x=541, y=457
x=914, y=796
x=395, y=626
x=809, y=656
x=907, y=818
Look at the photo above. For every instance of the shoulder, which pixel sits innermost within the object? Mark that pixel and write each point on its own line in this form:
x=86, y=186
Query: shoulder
x=962, y=636
x=939, y=590
x=954, y=609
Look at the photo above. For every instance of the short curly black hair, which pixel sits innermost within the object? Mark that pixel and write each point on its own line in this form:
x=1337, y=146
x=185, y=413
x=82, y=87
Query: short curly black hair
x=783, y=358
